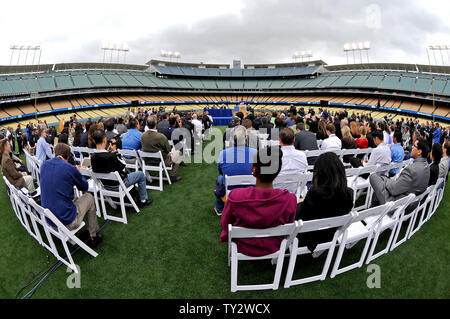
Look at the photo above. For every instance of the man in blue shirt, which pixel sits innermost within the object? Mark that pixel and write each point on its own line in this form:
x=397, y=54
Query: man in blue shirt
x=233, y=161
x=437, y=134
x=397, y=151
x=57, y=180
x=43, y=150
x=132, y=139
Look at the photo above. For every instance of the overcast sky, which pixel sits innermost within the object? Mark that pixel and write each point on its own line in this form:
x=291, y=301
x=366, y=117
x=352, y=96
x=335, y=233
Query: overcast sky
x=210, y=31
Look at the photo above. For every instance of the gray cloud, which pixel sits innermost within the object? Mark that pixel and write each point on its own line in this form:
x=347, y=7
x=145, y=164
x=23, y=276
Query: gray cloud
x=271, y=30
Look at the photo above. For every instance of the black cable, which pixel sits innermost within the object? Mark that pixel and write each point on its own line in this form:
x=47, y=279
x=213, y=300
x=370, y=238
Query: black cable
x=45, y=274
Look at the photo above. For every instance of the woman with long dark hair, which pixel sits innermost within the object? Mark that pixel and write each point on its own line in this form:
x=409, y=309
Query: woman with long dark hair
x=77, y=135
x=435, y=156
x=328, y=197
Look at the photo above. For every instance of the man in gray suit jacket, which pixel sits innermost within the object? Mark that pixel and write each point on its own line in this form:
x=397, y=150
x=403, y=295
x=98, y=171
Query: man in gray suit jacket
x=305, y=141
x=413, y=179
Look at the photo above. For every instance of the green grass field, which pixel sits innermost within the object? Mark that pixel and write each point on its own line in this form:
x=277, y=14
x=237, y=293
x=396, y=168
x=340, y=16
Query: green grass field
x=172, y=250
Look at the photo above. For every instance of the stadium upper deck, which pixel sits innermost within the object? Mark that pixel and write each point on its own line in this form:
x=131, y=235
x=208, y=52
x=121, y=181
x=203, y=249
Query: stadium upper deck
x=409, y=83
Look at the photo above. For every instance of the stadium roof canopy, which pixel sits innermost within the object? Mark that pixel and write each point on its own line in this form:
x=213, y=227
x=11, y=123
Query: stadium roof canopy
x=13, y=69
x=187, y=65
x=421, y=68
x=285, y=65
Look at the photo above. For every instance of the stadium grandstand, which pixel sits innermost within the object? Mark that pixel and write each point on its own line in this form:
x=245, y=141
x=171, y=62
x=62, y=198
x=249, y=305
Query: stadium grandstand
x=93, y=90
x=359, y=126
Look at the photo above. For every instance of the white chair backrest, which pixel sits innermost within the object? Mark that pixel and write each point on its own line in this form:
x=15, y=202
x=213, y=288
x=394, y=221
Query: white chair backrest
x=326, y=223
x=241, y=232
x=144, y=155
x=378, y=211
x=239, y=180
x=400, y=204
x=130, y=153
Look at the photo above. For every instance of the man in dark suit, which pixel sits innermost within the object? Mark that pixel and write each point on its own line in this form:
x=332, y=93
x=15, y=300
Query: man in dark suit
x=305, y=141
x=153, y=142
x=266, y=127
x=84, y=135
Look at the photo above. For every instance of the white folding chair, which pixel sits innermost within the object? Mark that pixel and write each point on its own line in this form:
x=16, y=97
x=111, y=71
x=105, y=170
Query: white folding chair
x=238, y=180
x=114, y=194
x=290, y=182
x=13, y=197
x=361, y=186
x=133, y=155
x=161, y=168
x=438, y=198
x=340, y=222
x=424, y=209
x=87, y=173
x=80, y=150
x=62, y=233
x=356, y=232
x=310, y=154
x=286, y=231
x=389, y=221
x=305, y=178
x=421, y=201
x=31, y=219
x=348, y=152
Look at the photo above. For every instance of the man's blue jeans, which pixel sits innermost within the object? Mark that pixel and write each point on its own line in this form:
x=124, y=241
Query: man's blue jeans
x=219, y=203
x=138, y=178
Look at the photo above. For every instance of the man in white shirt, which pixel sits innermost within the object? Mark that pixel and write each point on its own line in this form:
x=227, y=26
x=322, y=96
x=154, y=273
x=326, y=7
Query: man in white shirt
x=332, y=142
x=293, y=161
x=198, y=126
x=381, y=155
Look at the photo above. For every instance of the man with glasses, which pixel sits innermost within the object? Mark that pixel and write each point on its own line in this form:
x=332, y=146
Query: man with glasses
x=413, y=179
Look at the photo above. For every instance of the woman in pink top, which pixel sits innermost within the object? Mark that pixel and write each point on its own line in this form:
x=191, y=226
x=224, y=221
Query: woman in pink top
x=260, y=207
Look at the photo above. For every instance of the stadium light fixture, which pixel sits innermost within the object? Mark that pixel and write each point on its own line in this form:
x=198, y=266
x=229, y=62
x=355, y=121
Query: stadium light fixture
x=302, y=55
x=357, y=47
x=171, y=54
x=115, y=47
x=439, y=48
x=27, y=48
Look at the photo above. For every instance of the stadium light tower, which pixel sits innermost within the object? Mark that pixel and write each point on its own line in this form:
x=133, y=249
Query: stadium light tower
x=439, y=48
x=357, y=47
x=302, y=55
x=170, y=55
x=115, y=47
x=27, y=49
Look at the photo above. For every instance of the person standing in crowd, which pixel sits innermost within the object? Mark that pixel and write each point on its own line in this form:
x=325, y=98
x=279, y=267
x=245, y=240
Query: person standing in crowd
x=43, y=150
x=57, y=182
x=435, y=157
x=437, y=134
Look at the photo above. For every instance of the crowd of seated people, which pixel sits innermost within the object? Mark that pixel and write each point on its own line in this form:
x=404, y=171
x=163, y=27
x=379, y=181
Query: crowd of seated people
x=329, y=195
x=59, y=173
x=259, y=206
